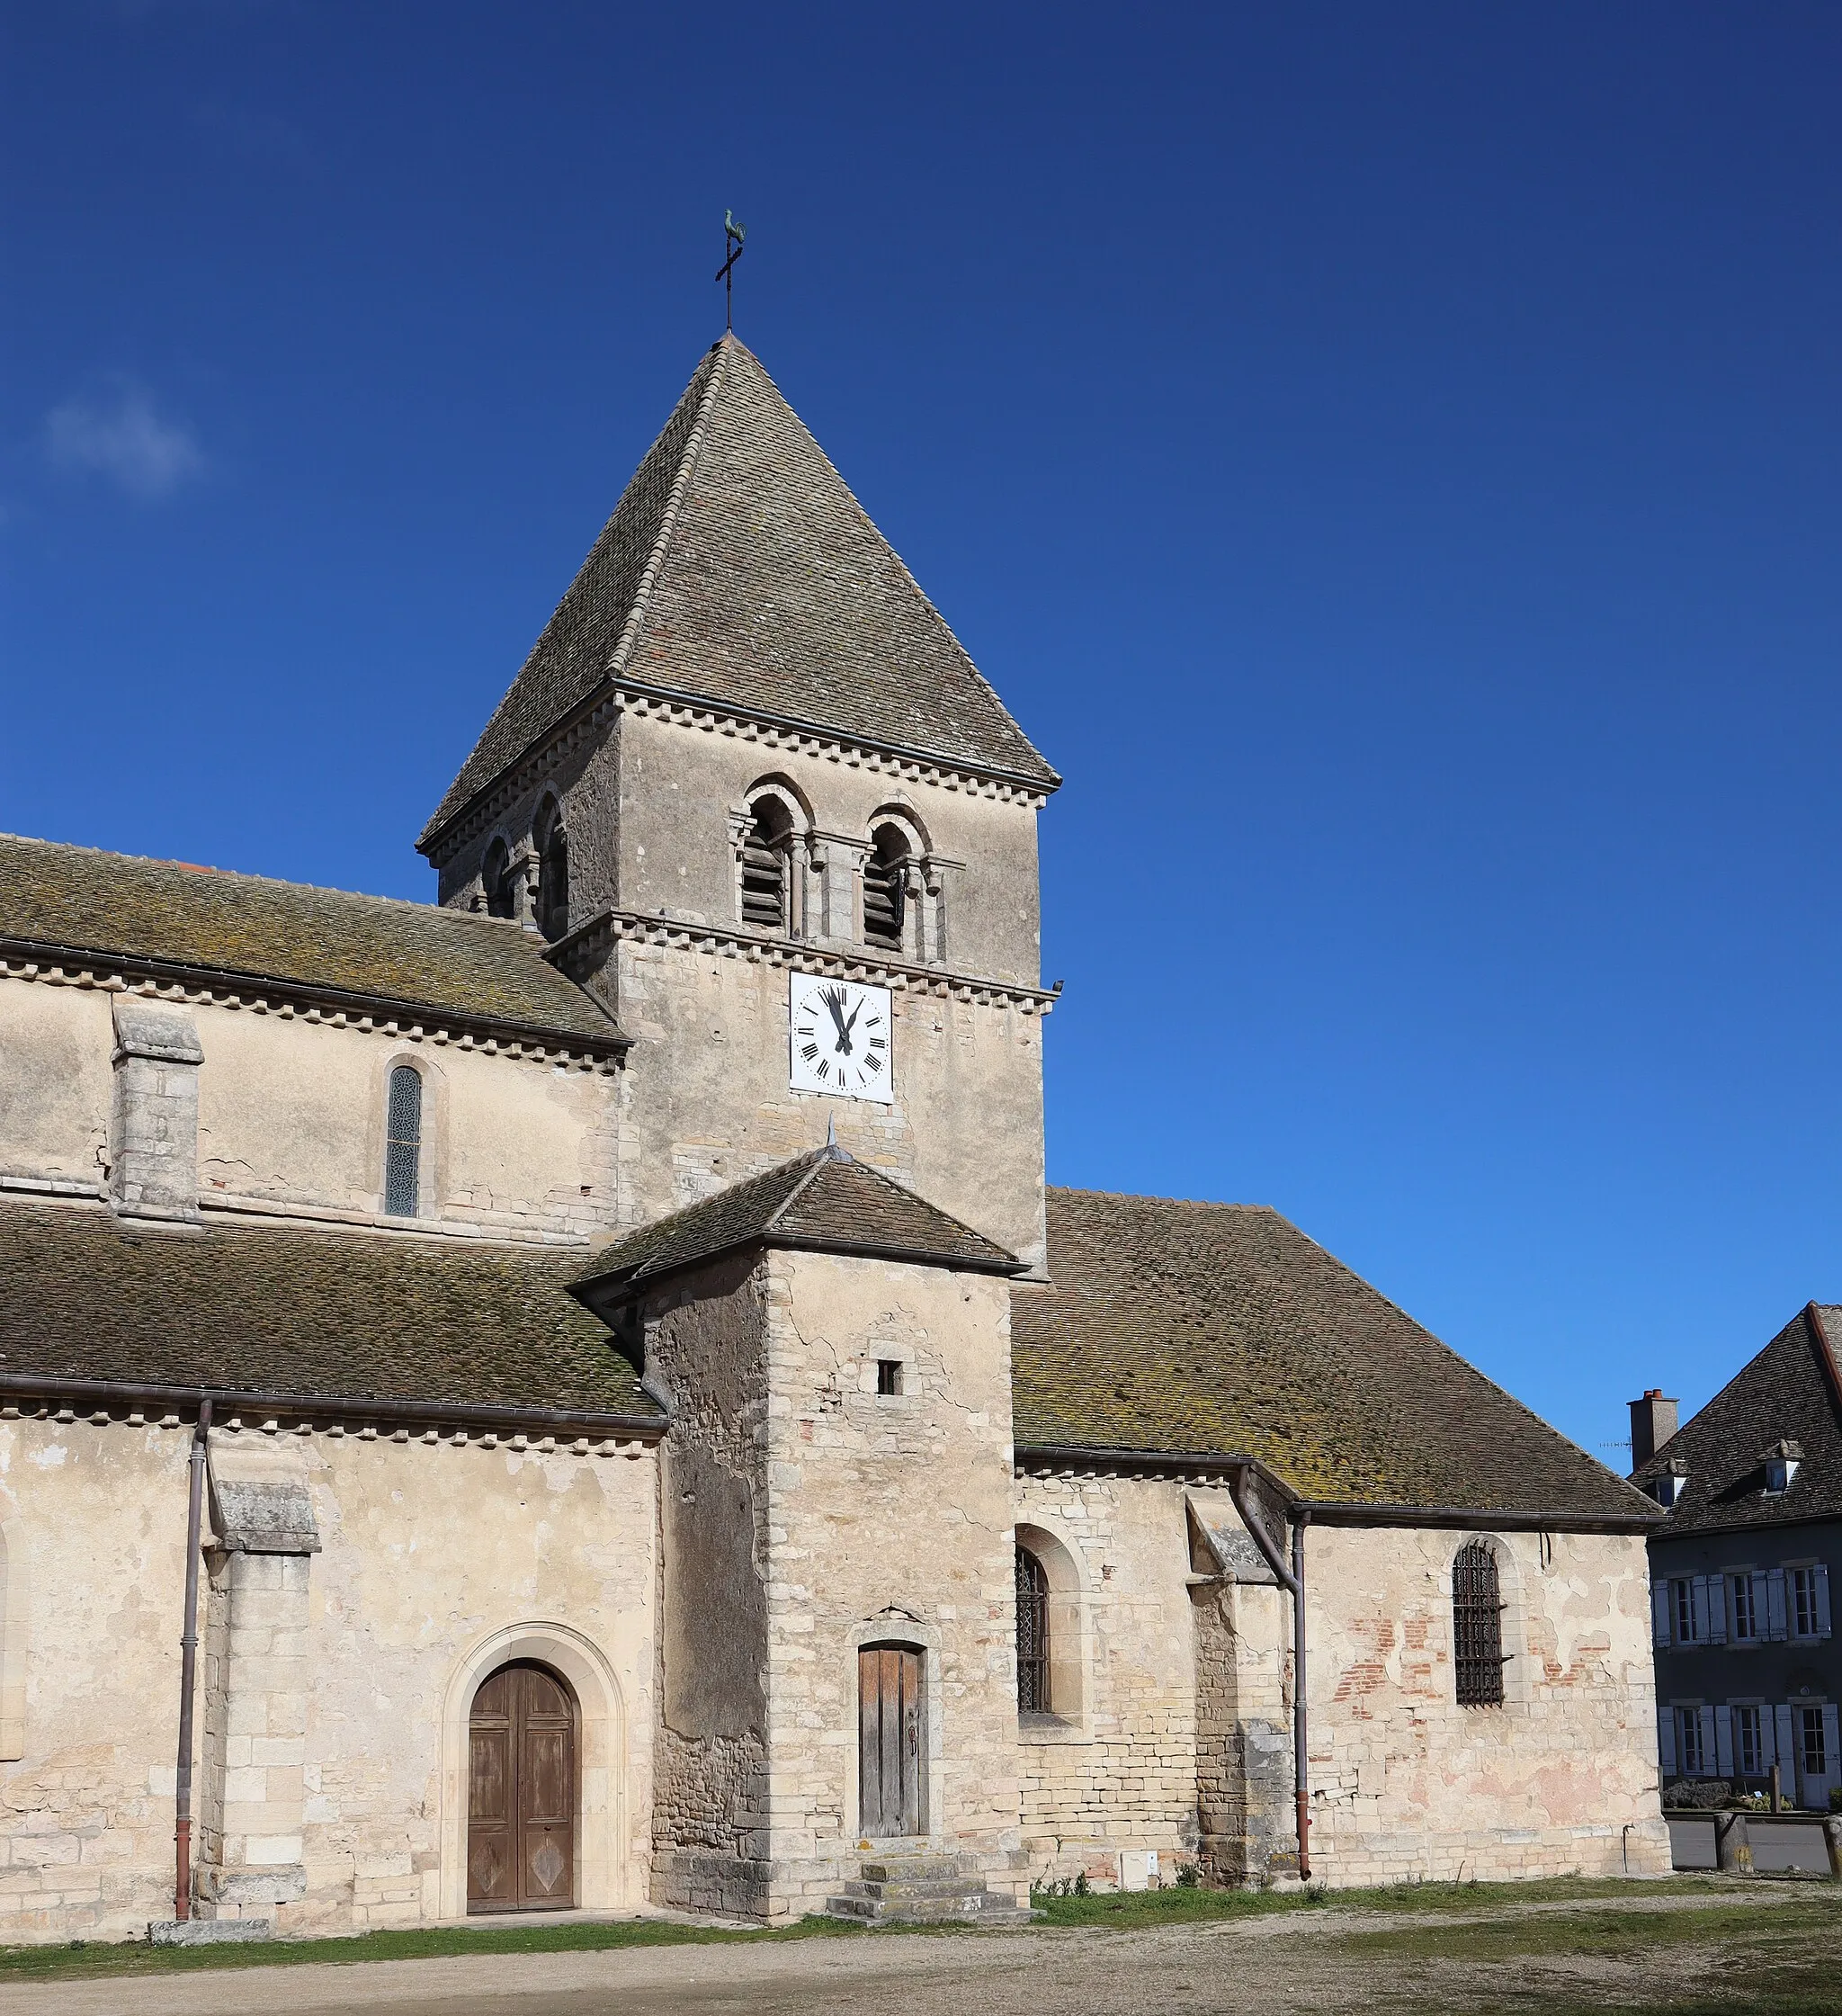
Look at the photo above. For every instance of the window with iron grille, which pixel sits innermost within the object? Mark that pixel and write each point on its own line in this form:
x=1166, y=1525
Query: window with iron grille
x=1477, y=1626
x=766, y=845
x=1691, y=1755
x=1748, y=1743
x=403, y=1138
x=1032, y=1635
x=1810, y=1737
x=886, y=889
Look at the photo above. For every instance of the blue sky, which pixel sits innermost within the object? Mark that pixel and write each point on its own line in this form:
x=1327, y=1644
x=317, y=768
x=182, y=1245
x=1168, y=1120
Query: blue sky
x=1390, y=458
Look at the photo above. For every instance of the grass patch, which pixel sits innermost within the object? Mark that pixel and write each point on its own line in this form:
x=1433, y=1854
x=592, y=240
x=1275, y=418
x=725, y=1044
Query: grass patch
x=1133, y=1910
x=1606, y=1934
x=435, y=1942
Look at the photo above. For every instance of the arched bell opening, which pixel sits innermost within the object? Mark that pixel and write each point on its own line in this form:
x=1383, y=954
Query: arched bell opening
x=523, y=1791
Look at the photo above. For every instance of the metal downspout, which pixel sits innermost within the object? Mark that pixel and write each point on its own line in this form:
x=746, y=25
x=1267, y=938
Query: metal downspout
x=1301, y=1746
x=188, y=1667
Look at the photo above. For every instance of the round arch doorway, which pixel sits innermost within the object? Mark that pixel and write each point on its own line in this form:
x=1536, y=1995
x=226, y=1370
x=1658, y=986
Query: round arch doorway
x=522, y=1791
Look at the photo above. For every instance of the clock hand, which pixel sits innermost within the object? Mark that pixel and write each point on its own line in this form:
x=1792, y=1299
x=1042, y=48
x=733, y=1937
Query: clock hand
x=835, y=1002
x=851, y=1025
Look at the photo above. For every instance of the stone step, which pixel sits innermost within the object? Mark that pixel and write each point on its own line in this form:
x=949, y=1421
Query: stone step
x=909, y=1893
x=917, y=1868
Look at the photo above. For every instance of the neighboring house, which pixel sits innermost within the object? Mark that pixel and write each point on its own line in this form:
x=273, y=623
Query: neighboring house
x=1749, y=1669
x=614, y=1487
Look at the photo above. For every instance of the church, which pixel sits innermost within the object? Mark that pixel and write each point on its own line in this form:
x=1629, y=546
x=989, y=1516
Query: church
x=578, y=1397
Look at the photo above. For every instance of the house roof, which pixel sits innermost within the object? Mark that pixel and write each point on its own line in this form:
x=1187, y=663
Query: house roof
x=739, y=571
x=1209, y=1328
x=1790, y=1392
x=301, y=1311
x=375, y=950
x=826, y=1200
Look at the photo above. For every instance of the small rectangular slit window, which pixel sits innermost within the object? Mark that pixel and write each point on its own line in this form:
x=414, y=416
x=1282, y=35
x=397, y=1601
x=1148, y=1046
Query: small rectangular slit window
x=888, y=1375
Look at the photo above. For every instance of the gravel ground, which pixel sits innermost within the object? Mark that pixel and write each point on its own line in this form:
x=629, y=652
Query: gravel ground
x=1297, y=1962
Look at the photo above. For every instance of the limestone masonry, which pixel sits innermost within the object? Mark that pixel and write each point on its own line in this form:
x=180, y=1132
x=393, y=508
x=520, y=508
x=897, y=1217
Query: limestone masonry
x=623, y=1476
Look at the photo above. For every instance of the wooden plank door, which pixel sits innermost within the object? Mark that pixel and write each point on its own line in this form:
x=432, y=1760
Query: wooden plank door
x=520, y=1804
x=888, y=1742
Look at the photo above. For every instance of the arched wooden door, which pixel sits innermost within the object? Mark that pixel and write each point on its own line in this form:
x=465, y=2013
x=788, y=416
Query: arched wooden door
x=890, y=1749
x=521, y=1800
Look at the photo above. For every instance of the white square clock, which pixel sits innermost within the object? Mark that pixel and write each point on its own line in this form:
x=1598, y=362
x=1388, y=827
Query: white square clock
x=842, y=1041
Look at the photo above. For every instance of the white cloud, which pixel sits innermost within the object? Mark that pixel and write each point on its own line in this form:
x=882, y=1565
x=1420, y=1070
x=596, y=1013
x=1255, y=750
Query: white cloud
x=121, y=436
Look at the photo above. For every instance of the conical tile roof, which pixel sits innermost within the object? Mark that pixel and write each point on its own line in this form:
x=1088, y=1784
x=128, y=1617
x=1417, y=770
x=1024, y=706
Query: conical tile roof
x=739, y=571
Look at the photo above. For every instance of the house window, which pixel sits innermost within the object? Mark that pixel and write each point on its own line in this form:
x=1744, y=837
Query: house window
x=766, y=850
x=1032, y=1635
x=1745, y=1615
x=552, y=871
x=1810, y=1742
x=1691, y=1752
x=1748, y=1743
x=1805, y=1621
x=888, y=1377
x=403, y=1143
x=886, y=889
x=1477, y=1626
x=1682, y=1595
x=496, y=880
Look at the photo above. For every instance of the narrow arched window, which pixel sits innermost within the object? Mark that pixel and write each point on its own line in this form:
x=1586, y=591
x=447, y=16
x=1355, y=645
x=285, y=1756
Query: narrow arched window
x=1032, y=1635
x=886, y=889
x=552, y=873
x=1477, y=1626
x=403, y=1143
x=766, y=852
x=496, y=880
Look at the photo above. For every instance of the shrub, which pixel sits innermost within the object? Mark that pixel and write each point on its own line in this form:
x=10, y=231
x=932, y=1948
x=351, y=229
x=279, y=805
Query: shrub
x=1189, y=1876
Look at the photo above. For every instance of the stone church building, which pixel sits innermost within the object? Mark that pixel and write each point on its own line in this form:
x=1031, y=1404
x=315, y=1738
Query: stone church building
x=634, y=1426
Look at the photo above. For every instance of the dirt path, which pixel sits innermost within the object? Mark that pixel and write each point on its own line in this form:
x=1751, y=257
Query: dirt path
x=1292, y=1962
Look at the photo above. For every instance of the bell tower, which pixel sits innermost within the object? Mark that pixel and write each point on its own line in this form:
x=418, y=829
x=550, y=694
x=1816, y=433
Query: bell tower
x=759, y=801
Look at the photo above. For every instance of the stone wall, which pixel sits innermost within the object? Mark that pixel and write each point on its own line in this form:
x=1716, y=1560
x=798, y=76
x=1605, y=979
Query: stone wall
x=705, y=1346
x=1407, y=1784
x=1180, y=1743
x=290, y=1118
x=440, y=1560
x=890, y=1520
x=706, y=1100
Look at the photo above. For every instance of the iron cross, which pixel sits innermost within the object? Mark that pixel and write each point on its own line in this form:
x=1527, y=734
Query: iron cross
x=733, y=235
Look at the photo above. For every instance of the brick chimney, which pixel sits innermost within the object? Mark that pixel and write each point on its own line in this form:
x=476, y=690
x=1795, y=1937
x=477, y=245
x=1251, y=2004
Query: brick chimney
x=1652, y=1423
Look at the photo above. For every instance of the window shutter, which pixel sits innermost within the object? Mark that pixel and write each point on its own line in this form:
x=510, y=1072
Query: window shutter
x=1698, y=1608
x=1716, y=1632
x=1666, y=1739
x=1821, y=1575
x=1659, y=1612
x=1784, y=1746
x=1774, y=1605
x=1723, y=1743
x=1705, y=1717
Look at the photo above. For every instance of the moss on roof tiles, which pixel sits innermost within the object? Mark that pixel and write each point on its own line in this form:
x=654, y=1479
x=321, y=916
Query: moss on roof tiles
x=825, y=1198
x=377, y=948
x=1221, y=1329
x=301, y=1311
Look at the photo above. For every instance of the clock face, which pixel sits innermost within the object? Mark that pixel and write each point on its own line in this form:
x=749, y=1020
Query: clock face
x=841, y=1038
